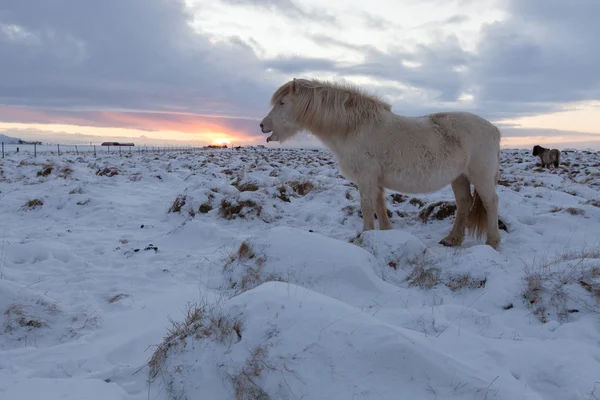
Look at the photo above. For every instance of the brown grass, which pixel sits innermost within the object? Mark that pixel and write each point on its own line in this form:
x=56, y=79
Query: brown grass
x=302, y=188
x=462, y=281
x=107, y=172
x=575, y=211
x=398, y=198
x=46, y=170
x=425, y=273
x=202, y=322
x=246, y=269
x=246, y=187
x=205, y=207
x=546, y=282
x=177, y=204
x=443, y=209
x=117, y=297
x=245, y=381
x=229, y=210
x=16, y=313
x=416, y=202
x=32, y=204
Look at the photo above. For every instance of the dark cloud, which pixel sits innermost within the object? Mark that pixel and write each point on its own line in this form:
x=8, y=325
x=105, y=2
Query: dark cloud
x=543, y=54
x=131, y=54
x=144, y=55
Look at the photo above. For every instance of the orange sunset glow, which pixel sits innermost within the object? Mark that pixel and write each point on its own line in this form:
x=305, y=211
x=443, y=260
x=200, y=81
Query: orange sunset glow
x=148, y=126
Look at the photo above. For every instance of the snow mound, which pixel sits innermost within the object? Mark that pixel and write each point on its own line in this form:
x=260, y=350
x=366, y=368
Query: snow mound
x=296, y=343
x=29, y=318
x=325, y=265
x=65, y=389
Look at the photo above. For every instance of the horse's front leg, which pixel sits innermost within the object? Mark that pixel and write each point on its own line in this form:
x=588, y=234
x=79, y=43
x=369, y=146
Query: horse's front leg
x=368, y=201
x=381, y=210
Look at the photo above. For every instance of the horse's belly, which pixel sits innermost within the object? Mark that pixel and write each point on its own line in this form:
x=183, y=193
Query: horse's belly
x=415, y=182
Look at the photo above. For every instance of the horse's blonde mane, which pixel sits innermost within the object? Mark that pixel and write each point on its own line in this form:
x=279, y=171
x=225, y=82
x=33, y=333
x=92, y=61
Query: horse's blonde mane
x=330, y=107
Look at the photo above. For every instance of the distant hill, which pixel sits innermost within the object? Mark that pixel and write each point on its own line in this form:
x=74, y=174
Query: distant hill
x=8, y=139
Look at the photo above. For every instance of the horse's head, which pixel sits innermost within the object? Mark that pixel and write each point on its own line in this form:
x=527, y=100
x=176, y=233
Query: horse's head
x=537, y=150
x=279, y=120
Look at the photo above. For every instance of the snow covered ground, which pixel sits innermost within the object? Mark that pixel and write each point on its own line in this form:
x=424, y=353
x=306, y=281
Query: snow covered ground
x=240, y=274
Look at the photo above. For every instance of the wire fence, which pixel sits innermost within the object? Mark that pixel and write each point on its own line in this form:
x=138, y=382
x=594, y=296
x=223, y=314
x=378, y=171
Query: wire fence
x=34, y=150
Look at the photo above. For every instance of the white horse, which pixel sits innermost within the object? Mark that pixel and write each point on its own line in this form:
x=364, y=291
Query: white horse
x=378, y=149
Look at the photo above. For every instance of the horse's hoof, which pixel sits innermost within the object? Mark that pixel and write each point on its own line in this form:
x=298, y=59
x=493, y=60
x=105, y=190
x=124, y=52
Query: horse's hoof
x=494, y=244
x=449, y=242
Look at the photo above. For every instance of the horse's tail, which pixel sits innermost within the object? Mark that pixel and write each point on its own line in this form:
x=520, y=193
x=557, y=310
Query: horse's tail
x=477, y=219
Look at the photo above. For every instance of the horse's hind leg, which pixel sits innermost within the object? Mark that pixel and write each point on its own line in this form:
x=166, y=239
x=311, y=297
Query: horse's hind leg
x=368, y=200
x=462, y=194
x=486, y=190
x=381, y=210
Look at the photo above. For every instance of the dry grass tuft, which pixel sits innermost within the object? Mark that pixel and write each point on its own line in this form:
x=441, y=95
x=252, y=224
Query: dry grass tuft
x=65, y=172
x=550, y=285
x=244, y=382
x=205, y=208
x=443, y=210
x=245, y=269
x=462, y=281
x=425, y=273
x=16, y=314
x=117, y=297
x=398, y=198
x=282, y=193
x=202, y=321
x=302, y=188
x=107, y=172
x=416, y=202
x=229, y=210
x=46, y=170
x=246, y=187
x=32, y=204
x=177, y=204
x=575, y=211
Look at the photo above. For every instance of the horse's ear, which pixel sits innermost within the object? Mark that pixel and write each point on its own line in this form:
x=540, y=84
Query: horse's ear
x=293, y=86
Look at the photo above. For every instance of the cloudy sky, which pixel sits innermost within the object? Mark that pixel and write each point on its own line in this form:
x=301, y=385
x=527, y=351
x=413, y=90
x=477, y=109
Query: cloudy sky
x=202, y=71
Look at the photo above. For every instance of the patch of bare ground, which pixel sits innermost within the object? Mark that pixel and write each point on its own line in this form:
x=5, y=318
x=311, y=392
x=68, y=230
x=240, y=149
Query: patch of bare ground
x=565, y=284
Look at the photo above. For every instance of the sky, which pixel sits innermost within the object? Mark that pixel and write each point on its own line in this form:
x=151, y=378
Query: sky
x=171, y=72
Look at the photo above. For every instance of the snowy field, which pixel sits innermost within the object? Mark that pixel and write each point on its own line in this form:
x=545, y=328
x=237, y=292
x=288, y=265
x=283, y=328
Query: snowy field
x=241, y=275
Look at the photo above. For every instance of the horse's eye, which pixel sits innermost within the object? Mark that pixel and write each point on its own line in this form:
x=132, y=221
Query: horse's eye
x=281, y=102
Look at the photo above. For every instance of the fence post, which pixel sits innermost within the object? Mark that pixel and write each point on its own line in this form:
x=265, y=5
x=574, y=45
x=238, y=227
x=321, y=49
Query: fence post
x=94, y=151
x=58, y=147
x=119, y=150
x=76, y=151
x=35, y=149
x=2, y=149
